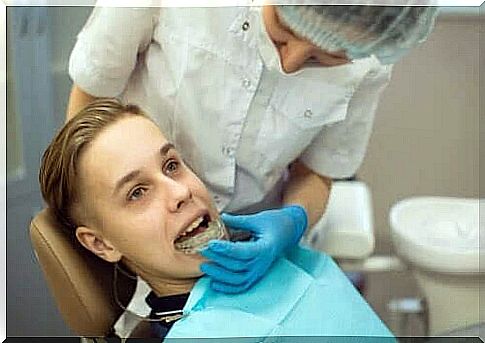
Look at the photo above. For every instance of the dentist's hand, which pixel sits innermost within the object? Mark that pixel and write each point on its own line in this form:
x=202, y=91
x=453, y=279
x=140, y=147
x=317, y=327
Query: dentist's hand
x=239, y=265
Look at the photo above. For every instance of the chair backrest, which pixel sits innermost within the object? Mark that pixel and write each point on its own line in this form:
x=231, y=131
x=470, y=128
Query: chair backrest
x=81, y=283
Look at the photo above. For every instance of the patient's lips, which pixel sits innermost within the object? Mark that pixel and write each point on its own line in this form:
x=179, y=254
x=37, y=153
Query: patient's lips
x=198, y=234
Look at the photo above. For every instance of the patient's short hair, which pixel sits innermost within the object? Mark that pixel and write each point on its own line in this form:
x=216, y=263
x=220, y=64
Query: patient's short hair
x=59, y=174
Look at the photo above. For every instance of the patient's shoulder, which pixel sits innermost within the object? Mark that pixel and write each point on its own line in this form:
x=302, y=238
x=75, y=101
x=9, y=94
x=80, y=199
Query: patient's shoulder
x=142, y=330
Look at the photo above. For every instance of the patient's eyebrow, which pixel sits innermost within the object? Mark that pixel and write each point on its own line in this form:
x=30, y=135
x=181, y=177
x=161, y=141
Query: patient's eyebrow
x=166, y=148
x=125, y=179
x=133, y=174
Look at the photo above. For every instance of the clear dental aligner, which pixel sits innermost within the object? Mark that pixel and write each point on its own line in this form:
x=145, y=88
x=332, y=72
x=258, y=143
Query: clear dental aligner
x=215, y=230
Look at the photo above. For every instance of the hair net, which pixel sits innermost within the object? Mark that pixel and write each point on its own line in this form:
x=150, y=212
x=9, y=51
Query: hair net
x=386, y=32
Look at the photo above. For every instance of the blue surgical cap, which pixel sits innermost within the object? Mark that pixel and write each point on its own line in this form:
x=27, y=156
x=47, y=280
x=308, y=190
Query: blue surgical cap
x=387, y=32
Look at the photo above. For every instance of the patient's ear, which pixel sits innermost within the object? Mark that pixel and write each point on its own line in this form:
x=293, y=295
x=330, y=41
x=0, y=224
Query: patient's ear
x=94, y=242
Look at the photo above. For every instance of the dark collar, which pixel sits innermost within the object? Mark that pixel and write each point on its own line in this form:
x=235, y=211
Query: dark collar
x=168, y=303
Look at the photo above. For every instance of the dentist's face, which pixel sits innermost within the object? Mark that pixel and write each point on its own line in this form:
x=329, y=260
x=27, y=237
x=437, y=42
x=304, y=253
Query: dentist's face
x=143, y=198
x=296, y=51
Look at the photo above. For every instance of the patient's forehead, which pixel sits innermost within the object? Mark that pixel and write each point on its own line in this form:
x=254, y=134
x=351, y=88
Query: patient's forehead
x=126, y=145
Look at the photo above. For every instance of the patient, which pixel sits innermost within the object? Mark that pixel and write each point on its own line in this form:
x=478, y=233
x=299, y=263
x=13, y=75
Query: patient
x=112, y=177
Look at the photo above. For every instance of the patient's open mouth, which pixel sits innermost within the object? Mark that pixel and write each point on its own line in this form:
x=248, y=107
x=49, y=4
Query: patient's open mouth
x=198, y=234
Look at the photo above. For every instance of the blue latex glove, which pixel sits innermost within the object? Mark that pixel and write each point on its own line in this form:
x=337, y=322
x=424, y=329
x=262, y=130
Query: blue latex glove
x=239, y=265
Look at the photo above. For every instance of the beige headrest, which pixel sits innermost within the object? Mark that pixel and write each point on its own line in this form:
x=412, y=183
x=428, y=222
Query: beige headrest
x=80, y=281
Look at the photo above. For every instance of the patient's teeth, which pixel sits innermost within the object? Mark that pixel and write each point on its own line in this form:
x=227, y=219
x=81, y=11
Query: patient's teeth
x=194, y=225
x=191, y=227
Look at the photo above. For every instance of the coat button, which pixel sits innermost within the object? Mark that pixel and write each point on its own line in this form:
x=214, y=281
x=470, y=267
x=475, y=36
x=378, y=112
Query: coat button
x=246, y=83
x=308, y=113
x=245, y=26
x=228, y=151
x=373, y=73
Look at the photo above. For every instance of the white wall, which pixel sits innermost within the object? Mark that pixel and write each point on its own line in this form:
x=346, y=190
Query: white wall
x=426, y=136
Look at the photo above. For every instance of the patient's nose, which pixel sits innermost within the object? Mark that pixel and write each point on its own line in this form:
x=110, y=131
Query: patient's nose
x=179, y=195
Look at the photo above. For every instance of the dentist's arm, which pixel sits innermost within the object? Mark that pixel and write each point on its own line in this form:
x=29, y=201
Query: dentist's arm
x=235, y=267
x=77, y=100
x=107, y=51
x=309, y=190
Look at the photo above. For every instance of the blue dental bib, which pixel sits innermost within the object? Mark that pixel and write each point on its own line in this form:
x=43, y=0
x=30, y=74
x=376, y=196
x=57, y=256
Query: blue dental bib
x=303, y=294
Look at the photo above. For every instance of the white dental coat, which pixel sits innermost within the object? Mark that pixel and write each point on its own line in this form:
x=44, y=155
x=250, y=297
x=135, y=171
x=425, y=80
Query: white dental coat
x=199, y=73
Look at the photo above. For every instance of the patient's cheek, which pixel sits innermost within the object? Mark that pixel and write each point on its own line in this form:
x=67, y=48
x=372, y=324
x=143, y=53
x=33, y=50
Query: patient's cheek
x=196, y=272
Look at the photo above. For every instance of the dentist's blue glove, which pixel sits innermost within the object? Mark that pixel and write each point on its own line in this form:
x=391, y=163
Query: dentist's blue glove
x=239, y=265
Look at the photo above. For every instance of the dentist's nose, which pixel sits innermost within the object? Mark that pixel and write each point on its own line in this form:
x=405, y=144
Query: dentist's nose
x=179, y=195
x=294, y=54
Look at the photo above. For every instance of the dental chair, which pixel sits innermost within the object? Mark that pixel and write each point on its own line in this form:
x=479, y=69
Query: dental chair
x=346, y=230
x=80, y=282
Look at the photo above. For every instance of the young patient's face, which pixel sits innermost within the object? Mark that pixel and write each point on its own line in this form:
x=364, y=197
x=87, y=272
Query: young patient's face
x=143, y=198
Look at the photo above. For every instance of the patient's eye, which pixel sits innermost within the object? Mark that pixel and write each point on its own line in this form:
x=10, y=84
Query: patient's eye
x=136, y=193
x=171, y=166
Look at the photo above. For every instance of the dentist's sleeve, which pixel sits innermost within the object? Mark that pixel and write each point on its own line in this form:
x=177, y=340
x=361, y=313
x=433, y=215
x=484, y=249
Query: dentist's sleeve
x=339, y=149
x=108, y=47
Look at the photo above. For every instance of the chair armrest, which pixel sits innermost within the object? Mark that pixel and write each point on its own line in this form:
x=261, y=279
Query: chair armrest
x=346, y=230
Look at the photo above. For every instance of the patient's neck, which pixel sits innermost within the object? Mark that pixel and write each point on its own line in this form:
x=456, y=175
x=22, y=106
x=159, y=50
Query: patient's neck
x=163, y=288
x=162, y=285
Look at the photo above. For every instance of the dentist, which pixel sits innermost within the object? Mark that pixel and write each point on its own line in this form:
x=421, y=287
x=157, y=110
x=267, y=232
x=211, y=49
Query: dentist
x=265, y=104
